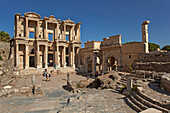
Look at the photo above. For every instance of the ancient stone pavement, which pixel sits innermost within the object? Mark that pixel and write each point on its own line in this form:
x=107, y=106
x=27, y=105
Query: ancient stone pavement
x=56, y=99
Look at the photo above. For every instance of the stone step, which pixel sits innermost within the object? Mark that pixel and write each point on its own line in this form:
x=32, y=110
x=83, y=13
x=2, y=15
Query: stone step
x=122, y=83
x=147, y=103
x=151, y=100
x=136, y=102
x=135, y=107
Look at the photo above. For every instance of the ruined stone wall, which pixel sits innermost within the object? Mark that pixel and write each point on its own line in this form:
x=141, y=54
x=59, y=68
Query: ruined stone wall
x=155, y=57
x=165, y=82
x=155, y=61
x=130, y=52
x=152, y=66
x=4, y=49
x=7, y=62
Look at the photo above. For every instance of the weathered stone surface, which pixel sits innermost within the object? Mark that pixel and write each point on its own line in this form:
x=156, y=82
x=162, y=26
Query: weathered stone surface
x=16, y=90
x=165, y=82
x=105, y=81
x=151, y=110
x=7, y=87
x=152, y=66
x=1, y=72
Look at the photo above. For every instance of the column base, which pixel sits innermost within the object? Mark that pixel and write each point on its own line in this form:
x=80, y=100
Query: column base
x=38, y=67
x=26, y=67
x=46, y=66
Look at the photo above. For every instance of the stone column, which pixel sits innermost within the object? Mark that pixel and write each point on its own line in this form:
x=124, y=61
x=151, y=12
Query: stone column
x=78, y=56
x=37, y=30
x=71, y=34
x=73, y=56
x=26, y=57
x=56, y=32
x=103, y=64
x=145, y=35
x=78, y=38
x=70, y=55
x=94, y=65
x=26, y=28
x=129, y=84
x=46, y=56
x=45, y=30
x=17, y=26
x=37, y=56
x=58, y=60
x=17, y=55
x=64, y=32
x=64, y=56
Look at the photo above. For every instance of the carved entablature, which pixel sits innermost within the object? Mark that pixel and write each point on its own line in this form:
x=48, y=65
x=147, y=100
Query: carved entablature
x=32, y=15
x=69, y=21
x=51, y=18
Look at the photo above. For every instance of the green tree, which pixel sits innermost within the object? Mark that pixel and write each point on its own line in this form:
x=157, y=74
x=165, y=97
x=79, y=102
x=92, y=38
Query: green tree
x=167, y=47
x=4, y=36
x=153, y=46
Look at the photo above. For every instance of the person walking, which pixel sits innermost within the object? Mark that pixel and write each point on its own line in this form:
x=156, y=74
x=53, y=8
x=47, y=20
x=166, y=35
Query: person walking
x=46, y=74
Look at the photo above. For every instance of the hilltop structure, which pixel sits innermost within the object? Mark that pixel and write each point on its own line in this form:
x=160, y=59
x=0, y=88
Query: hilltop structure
x=49, y=42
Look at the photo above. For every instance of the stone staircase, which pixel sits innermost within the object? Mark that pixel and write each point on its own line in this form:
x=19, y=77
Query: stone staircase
x=139, y=102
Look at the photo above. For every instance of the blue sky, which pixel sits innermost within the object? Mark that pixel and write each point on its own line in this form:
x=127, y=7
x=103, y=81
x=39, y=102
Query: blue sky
x=99, y=18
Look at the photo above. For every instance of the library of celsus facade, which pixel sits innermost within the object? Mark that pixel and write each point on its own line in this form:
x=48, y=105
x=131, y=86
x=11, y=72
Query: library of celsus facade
x=47, y=42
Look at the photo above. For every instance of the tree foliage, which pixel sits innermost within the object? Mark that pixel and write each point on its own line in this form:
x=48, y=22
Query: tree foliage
x=167, y=47
x=4, y=36
x=153, y=46
x=130, y=42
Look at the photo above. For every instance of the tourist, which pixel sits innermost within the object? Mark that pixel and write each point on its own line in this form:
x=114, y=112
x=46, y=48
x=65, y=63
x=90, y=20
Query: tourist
x=46, y=74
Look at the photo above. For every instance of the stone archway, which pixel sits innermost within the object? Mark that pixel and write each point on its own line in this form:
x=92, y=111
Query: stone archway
x=111, y=63
x=89, y=64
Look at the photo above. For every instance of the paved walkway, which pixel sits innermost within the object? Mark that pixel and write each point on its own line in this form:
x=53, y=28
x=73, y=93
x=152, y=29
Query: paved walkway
x=56, y=99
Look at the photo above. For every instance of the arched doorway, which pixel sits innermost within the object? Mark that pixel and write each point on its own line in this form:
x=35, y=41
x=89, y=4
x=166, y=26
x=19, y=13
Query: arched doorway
x=98, y=64
x=89, y=64
x=111, y=63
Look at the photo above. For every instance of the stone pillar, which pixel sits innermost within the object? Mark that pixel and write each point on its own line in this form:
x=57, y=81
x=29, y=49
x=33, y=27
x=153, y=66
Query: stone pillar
x=94, y=65
x=26, y=28
x=129, y=84
x=46, y=56
x=145, y=35
x=56, y=32
x=58, y=60
x=78, y=56
x=64, y=56
x=78, y=38
x=37, y=30
x=103, y=64
x=45, y=30
x=26, y=57
x=37, y=56
x=54, y=54
x=73, y=33
x=17, y=55
x=64, y=32
x=73, y=56
x=70, y=55
x=17, y=26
